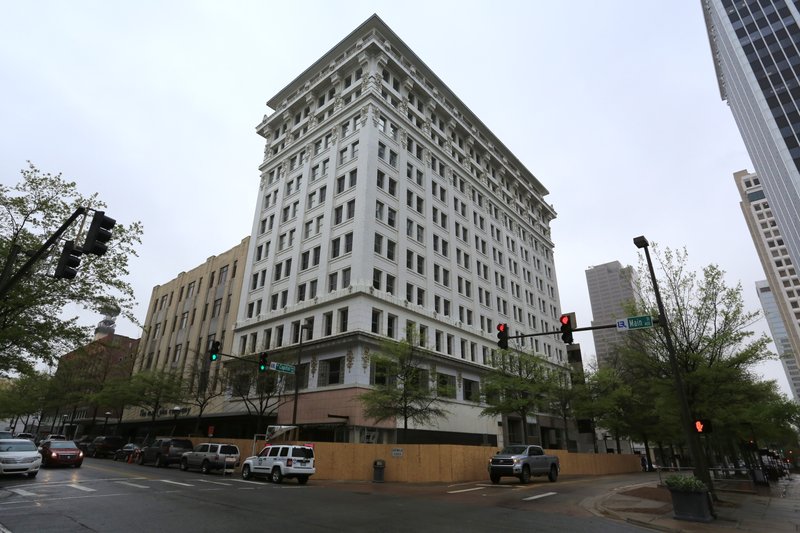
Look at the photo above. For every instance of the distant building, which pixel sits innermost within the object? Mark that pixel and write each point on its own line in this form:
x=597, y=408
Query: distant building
x=755, y=52
x=611, y=289
x=781, y=338
x=782, y=278
x=184, y=317
x=388, y=210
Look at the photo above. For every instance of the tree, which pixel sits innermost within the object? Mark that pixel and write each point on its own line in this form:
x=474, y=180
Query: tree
x=32, y=327
x=202, y=387
x=402, y=387
x=151, y=390
x=518, y=384
x=261, y=394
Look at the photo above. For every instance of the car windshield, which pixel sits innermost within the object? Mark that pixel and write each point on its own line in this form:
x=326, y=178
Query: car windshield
x=228, y=449
x=306, y=453
x=27, y=446
x=62, y=444
x=513, y=450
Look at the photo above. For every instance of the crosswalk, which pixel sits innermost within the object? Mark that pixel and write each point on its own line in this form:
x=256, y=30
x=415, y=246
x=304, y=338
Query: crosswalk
x=104, y=486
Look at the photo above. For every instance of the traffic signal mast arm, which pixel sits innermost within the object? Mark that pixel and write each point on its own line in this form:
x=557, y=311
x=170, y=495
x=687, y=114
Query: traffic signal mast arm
x=558, y=331
x=240, y=358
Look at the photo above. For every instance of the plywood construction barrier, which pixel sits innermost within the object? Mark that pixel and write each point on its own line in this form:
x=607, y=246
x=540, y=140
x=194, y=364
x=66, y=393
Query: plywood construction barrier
x=431, y=463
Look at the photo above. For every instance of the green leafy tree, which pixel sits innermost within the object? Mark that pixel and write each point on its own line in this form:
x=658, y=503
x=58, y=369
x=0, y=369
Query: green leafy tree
x=151, y=390
x=202, y=386
x=517, y=385
x=402, y=387
x=32, y=326
x=262, y=393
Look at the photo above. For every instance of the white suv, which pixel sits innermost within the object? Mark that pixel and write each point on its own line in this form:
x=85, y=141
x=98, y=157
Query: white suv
x=281, y=461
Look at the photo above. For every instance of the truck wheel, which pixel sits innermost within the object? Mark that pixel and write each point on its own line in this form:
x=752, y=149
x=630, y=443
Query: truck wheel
x=246, y=474
x=159, y=461
x=525, y=477
x=205, y=468
x=495, y=478
x=184, y=464
x=553, y=475
x=277, y=477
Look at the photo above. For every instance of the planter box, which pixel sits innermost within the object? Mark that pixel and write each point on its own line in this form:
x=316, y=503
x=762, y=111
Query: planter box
x=692, y=506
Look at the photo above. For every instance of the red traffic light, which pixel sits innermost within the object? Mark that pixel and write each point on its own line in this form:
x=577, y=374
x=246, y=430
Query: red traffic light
x=502, y=327
x=502, y=336
x=564, y=320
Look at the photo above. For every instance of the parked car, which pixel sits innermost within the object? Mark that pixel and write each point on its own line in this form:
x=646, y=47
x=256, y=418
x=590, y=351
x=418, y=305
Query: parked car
x=281, y=461
x=19, y=456
x=60, y=453
x=28, y=436
x=209, y=456
x=523, y=462
x=126, y=451
x=54, y=436
x=83, y=443
x=104, y=446
x=165, y=451
x=6, y=435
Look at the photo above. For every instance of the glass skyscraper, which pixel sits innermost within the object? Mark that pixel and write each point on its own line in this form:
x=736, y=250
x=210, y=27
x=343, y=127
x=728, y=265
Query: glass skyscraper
x=756, y=49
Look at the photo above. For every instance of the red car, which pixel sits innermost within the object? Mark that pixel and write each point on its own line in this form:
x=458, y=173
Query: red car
x=60, y=453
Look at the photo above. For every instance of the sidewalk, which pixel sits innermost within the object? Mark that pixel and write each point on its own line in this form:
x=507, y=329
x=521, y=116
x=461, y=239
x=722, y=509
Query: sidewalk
x=773, y=509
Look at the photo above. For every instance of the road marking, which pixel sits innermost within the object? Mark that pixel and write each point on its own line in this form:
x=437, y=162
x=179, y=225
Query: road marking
x=22, y=492
x=214, y=482
x=4, y=530
x=245, y=481
x=175, y=483
x=546, y=494
x=133, y=485
x=463, y=490
x=85, y=489
x=498, y=486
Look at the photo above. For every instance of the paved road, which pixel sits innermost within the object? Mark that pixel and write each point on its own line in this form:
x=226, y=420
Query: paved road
x=105, y=496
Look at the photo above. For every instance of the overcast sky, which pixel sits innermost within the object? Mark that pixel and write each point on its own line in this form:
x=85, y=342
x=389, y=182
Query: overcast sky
x=614, y=106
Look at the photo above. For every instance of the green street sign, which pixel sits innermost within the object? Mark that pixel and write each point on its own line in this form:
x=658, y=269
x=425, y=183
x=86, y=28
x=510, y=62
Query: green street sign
x=282, y=367
x=634, y=322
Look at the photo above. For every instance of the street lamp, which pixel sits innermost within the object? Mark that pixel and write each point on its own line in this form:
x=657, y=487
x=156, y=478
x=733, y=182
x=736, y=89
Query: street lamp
x=175, y=411
x=303, y=328
x=695, y=449
x=108, y=413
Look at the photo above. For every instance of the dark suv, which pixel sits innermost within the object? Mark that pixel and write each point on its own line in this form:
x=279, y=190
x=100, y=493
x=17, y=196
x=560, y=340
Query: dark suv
x=165, y=451
x=104, y=446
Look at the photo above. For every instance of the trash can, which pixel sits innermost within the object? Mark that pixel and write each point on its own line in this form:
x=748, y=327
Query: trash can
x=378, y=467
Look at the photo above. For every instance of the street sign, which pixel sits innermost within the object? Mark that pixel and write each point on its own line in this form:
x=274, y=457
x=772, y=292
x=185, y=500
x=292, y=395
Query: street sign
x=282, y=367
x=634, y=322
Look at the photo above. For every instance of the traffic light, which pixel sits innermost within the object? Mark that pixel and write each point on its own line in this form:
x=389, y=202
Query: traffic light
x=702, y=425
x=213, y=352
x=68, y=262
x=262, y=362
x=566, y=328
x=502, y=336
x=99, y=234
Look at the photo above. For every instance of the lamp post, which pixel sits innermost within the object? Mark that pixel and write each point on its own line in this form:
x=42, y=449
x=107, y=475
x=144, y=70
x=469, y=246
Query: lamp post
x=695, y=449
x=175, y=411
x=303, y=328
x=108, y=413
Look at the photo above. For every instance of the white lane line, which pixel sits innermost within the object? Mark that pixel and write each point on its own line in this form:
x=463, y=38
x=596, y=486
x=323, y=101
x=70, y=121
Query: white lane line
x=85, y=489
x=4, y=530
x=545, y=495
x=214, y=482
x=463, y=490
x=133, y=485
x=175, y=483
x=21, y=492
x=245, y=481
x=498, y=486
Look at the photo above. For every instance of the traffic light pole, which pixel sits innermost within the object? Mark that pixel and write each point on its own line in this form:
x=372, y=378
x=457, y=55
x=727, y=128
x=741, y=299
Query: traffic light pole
x=558, y=331
x=6, y=284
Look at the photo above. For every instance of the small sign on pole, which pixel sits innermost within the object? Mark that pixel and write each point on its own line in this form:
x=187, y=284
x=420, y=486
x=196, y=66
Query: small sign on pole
x=634, y=322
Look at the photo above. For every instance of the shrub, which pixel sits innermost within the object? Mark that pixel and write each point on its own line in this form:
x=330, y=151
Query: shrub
x=685, y=483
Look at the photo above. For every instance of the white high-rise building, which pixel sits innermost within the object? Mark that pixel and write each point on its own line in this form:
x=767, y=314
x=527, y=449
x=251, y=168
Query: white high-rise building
x=387, y=209
x=757, y=60
x=611, y=289
x=782, y=278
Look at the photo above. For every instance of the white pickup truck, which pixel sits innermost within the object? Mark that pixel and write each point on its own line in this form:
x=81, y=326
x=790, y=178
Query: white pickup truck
x=523, y=461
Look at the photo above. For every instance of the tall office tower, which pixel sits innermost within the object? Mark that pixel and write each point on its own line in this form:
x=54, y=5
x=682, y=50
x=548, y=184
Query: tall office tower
x=779, y=335
x=755, y=50
x=781, y=274
x=387, y=210
x=611, y=289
